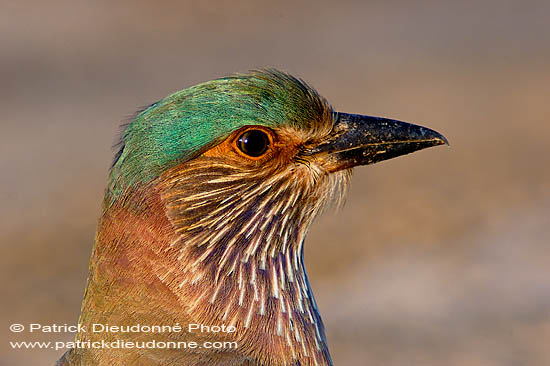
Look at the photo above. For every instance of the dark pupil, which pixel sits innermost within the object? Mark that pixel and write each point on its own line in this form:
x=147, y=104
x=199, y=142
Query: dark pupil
x=253, y=143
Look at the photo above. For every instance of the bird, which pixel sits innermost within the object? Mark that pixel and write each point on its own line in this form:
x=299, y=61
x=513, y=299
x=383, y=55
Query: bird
x=207, y=206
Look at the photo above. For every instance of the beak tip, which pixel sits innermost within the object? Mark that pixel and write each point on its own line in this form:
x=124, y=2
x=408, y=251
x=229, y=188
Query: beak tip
x=439, y=139
x=443, y=141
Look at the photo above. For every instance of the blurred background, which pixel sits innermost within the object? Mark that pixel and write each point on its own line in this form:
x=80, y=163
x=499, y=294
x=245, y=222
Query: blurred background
x=439, y=258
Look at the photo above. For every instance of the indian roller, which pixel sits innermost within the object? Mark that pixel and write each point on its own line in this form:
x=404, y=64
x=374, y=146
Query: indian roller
x=205, y=213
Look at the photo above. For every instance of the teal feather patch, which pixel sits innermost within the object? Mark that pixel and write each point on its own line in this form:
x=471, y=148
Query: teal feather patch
x=189, y=122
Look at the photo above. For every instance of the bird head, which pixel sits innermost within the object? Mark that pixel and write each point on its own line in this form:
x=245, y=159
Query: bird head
x=238, y=168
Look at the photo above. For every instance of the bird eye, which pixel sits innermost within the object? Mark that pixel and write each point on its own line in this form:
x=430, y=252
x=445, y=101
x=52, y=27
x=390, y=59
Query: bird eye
x=253, y=143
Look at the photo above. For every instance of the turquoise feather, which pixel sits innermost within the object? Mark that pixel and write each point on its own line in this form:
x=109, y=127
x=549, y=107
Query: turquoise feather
x=189, y=122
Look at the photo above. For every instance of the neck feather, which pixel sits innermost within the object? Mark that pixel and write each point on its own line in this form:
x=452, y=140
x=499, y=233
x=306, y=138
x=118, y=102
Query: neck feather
x=239, y=246
x=229, y=247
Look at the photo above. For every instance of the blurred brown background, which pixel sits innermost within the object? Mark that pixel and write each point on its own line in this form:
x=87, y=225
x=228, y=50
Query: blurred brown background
x=438, y=258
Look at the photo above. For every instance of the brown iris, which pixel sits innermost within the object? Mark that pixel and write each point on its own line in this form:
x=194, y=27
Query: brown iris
x=253, y=143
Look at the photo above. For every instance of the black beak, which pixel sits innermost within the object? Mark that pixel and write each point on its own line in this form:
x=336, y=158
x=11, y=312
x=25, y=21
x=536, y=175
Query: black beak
x=361, y=140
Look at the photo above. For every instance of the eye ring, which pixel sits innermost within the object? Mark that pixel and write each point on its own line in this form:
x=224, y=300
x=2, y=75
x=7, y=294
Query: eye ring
x=253, y=143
